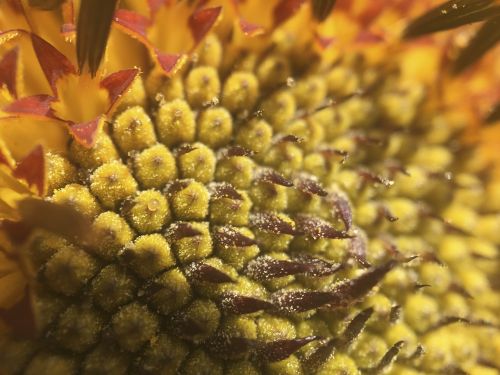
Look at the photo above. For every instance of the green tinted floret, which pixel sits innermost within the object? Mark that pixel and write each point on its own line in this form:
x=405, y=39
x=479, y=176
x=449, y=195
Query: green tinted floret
x=112, y=233
x=133, y=326
x=112, y=287
x=148, y=255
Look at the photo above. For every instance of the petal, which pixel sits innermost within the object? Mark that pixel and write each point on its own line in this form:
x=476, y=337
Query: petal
x=250, y=29
x=37, y=105
x=86, y=133
x=133, y=22
x=118, y=83
x=32, y=169
x=285, y=9
x=170, y=63
x=201, y=21
x=8, y=71
x=54, y=64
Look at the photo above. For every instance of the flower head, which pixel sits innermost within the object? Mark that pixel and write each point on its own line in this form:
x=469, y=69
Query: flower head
x=256, y=198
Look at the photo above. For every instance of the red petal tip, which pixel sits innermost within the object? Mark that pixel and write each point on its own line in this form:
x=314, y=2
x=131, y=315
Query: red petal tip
x=8, y=71
x=85, y=133
x=250, y=29
x=36, y=105
x=202, y=20
x=32, y=169
x=118, y=83
x=135, y=22
x=285, y=9
x=169, y=63
x=54, y=64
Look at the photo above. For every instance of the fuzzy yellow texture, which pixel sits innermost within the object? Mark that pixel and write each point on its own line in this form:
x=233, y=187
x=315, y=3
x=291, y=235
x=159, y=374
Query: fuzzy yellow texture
x=163, y=189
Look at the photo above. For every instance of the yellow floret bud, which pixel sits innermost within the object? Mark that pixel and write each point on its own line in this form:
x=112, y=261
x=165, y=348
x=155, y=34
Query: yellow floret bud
x=205, y=314
x=148, y=211
x=113, y=287
x=78, y=328
x=438, y=277
x=238, y=256
x=287, y=366
x=60, y=172
x=310, y=132
x=45, y=244
x=240, y=92
x=407, y=213
x=230, y=211
x=273, y=71
x=105, y=359
x=201, y=360
x=164, y=354
x=51, y=364
x=171, y=291
x=269, y=196
x=112, y=233
x=78, y=197
x=341, y=81
x=421, y=312
x=103, y=151
x=195, y=246
x=112, y=183
x=339, y=364
x=135, y=95
x=162, y=88
x=368, y=351
x=279, y=109
x=154, y=167
x=438, y=353
x=133, y=326
x=175, y=123
x=202, y=87
x=310, y=92
x=210, y=51
x=148, y=255
x=189, y=200
x=133, y=130
x=215, y=127
x=69, y=270
x=433, y=158
x=197, y=164
x=256, y=136
x=236, y=170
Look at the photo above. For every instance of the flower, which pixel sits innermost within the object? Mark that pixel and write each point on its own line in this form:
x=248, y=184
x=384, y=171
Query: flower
x=255, y=192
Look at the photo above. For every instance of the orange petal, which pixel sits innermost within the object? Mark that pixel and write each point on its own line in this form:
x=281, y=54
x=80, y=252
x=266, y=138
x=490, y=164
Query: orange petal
x=86, y=133
x=201, y=21
x=133, y=22
x=118, y=83
x=54, y=64
x=250, y=29
x=36, y=105
x=8, y=71
x=32, y=169
x=170, y=63
x=285, y=9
